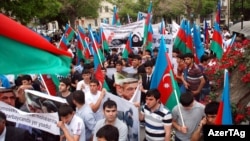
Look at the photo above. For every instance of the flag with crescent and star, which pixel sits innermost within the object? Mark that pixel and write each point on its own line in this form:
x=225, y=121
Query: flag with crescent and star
x=162, y=77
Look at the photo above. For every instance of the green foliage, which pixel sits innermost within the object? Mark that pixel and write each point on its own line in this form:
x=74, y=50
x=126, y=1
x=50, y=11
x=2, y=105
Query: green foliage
x=236, y=10
x=26, y=10
x=208, y=7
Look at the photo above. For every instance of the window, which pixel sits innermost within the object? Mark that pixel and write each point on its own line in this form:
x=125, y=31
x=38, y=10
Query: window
x=96, y=24
x=106, y=9
x=107, y=20
x=100, y=9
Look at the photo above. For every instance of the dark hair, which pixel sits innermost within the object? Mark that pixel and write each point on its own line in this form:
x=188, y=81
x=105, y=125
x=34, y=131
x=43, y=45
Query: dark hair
x=176, y=50
x=153, y=92
x=2, y=116
x=94, y=81
x=50, y=105
x=140, y=52
x=189, y=55
x=186, y=99
x=204, y=58
x=212, y=108
x=103, y=68
x=109, y=104
x=65, y=110
x=86, y=71
x=82, y=60
x=138, y=57
x=181, y=56
x=148, y=63
x=27, y=77
x=79, y=96
x=5, y=90
x=147, y=50
x=155, y=50
x=119, y=62
x=109, y=132
x=66, y=81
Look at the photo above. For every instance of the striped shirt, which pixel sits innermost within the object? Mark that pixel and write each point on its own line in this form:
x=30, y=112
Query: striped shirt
x=194, y=74
x=155, y=122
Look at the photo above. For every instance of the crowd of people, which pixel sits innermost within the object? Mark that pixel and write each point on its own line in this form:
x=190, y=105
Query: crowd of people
x=86, y=118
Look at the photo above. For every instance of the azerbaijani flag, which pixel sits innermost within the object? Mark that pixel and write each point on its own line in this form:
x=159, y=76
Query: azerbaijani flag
x=230, y=45
x=63, y=44
x=69, y=32
x=150, y=37
x=104, y=40
x=84, y=42
x=163, y=78
x=216, y=45
x=22, y=51
x=147, y=21
x=224, y=114
x=128, y=47
x=206, y=34
x=189, y=39
x=181, y=38
x=115, y=20
x=162, y=27
x=98, y=60
x=217, y=18
x=199, y=48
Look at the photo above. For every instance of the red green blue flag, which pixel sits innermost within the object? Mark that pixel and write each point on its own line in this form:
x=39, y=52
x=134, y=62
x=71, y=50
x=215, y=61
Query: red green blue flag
x=163, y=78
x=224, y=114
x=22, y=51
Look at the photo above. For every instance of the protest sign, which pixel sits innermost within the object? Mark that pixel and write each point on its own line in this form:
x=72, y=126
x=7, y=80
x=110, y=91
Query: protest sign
x=44, y=121
x=118, y=35
x=128, y=113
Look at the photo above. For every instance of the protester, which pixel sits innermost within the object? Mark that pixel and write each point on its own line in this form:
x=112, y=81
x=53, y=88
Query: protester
x=156, y=115
x=84, y=83
x=10, y=133
x=64, y=91
x=211, y=110
x=72, y=126
x=194, y=80
x=108, y=133
x=85, y=112
x=94, y=98
x=146, y=80
x=188, y=111
x=110, y=113
x=7, y=96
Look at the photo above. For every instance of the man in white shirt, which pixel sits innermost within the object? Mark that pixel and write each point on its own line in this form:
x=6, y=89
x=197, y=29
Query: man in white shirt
x=84, y=84
x=72, y=125
x=94, y=98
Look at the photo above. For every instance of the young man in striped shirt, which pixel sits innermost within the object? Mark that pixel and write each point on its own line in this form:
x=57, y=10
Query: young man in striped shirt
x=158, y=119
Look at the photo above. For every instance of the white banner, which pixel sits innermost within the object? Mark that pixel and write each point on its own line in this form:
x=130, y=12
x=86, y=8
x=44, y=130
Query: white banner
x=44, y=121
x=168, y=41
x=118, y=35
x=128, y=113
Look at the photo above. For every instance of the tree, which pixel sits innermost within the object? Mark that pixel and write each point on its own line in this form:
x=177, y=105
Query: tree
x=73, y=9
x=24, y=11
x=236, y=10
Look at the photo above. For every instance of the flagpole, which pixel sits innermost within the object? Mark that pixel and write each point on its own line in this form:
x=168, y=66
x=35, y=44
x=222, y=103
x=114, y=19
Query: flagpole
x=58, y=45
x=81, y=42
x=178, y=105
x=95, y=45
x=45, y=84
